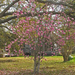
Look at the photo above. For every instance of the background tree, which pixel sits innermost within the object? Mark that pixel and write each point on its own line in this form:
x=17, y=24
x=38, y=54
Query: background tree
x=66, y=38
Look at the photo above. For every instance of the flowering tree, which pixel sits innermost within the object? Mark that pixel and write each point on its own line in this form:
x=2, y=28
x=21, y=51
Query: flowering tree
x=39, y=30
x=36, y=34
x=66, y=37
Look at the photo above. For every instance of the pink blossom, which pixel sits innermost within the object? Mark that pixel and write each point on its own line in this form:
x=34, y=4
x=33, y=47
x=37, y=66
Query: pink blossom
x=38, y=34
x=38, y=56
x=41, y=60
x=39, y=28
x=67, y=38
x=41, y=45
x=21, y=12
x=9, y=46
x=45, y=59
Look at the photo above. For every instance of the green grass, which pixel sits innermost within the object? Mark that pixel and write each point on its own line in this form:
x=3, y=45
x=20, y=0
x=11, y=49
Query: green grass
x=24, y=66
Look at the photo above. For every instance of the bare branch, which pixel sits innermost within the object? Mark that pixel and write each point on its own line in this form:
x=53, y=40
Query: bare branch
x=7, y=8
x=6, y=27
x=56, y=3
x=8, y=19
x=8, y=13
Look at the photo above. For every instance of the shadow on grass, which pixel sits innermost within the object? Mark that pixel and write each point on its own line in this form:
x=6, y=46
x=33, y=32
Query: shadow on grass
x=42, y=72
x=48, y=67
x=10, y=60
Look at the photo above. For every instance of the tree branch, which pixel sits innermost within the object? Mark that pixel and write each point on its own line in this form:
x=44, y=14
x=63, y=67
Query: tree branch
x=8, y=19
x=29, y=14
x=56, y=3
x=6, y=27
x=3, y=5
x=7, y=8
x=8, y=13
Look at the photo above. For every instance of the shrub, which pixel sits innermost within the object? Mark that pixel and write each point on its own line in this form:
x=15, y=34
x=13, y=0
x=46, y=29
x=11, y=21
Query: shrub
x=70, y=57
x=59, y=54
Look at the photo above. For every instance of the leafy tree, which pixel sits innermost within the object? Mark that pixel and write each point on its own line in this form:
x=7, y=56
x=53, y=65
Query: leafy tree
x=5, y=38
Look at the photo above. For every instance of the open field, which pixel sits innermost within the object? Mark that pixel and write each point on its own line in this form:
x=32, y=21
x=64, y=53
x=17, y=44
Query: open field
x=52, y=65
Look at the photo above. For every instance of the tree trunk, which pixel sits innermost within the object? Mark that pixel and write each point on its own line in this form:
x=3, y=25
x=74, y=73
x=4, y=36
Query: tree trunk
x=65, y=54
x=65, y=57
x=36, y=65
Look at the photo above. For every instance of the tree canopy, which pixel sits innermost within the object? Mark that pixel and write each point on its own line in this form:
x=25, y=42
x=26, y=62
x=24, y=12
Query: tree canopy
x=6, y=15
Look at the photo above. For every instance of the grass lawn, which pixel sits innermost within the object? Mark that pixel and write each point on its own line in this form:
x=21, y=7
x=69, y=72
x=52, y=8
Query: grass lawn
x=50, y=65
